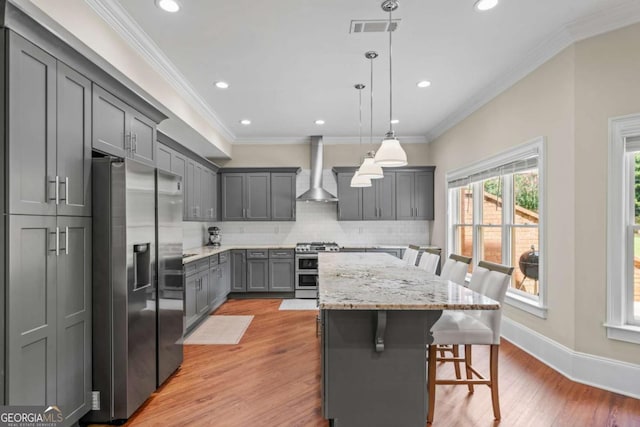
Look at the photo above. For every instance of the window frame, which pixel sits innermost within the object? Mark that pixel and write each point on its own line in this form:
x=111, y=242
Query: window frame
x=619, y=322
x=522, y=300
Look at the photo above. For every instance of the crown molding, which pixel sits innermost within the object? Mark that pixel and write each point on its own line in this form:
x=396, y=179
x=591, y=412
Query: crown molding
x=328, y=140
x=120, y=21
x=612, y=18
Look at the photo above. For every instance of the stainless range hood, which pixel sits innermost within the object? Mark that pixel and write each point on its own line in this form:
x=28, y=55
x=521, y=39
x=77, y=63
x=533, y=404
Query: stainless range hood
x=316, y=193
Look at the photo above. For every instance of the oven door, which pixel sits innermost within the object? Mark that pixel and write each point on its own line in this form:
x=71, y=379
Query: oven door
x=307, y=280
x=307, y=262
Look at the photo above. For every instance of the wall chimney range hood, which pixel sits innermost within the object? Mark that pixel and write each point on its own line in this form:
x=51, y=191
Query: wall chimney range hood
x=316, y=193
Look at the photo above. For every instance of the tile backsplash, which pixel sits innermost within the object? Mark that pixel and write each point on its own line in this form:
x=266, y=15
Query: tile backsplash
x=314, y=222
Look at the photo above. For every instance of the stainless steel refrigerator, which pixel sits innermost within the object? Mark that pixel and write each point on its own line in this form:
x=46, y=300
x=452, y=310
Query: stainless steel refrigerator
x=136, y=326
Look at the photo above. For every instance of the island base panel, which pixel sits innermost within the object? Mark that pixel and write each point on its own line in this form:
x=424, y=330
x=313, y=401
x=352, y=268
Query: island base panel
x=368, y=388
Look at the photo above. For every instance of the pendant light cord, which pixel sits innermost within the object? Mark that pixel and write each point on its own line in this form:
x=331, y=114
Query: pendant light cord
x=371, y=106
x=390, y=76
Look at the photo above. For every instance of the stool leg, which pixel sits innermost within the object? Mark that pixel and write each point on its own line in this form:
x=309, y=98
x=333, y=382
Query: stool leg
x=456, y=365
x=431, y=382
x=467, y=365
x=494, y=380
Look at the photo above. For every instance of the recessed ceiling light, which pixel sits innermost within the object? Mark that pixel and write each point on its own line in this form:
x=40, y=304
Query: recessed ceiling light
x=395, y=121
x=424, y=83
x=168, y=5
x=482, y=5
x=319, y=122
x=245, y=122
x=222, y=85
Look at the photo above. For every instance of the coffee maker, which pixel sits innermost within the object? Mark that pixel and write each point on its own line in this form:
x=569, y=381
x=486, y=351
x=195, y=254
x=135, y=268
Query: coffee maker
x=214, y=236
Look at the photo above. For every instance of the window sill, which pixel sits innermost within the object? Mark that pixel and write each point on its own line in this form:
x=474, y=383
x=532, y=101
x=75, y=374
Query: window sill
x=628, y=333
x=526, y=304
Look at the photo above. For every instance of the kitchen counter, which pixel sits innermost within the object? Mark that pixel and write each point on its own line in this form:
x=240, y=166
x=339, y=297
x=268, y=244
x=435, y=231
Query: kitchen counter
x=206, y=251
x=375, y=281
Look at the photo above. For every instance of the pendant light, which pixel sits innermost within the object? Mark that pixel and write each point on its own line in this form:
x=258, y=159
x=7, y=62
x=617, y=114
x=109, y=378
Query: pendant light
x=369, y=168
x=357, y=180
x=390, y=152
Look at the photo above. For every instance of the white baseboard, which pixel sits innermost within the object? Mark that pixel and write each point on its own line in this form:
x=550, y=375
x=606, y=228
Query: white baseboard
x=608, y=374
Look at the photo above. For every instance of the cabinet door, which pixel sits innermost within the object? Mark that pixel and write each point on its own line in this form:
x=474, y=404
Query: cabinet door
x=164, y=157
x=238, y=271
x=226, y=278
x=74, y=143
x=424, y=195
x=258, y=196
x=281, y=275
x=257, y=275
x=143, y=138
x=349, y=199
x=31, y=311
x=109, y=124
x=32, y=129
x=369, y=201
x=214, y=286
x=191, y=189
x=190, y=295
x=179, y=167
x=74, y=317
x=232, y=193
x=205, y=194
x=202, y=298
x=386, y=196
x=197, y=191
x=213, y=192
x=405, y=188
x=283, y=196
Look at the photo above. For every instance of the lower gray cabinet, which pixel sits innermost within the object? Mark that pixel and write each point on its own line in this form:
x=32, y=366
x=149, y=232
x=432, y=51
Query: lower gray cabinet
x=257, y=275
x=190, y=295
x=238, y=270
x=281, y=275
x=202, y=294
x=49, y=313
x=225, y=273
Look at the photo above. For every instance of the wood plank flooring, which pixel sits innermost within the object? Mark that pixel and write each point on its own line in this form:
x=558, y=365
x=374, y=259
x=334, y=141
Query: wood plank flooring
x=272, y=378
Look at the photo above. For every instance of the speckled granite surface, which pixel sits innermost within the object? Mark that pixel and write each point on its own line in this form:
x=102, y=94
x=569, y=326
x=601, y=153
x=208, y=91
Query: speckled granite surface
x=375, y=281
x=205, y=251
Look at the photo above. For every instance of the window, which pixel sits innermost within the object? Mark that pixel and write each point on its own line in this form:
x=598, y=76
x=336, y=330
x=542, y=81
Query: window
x=494, y=215
x=623, y=230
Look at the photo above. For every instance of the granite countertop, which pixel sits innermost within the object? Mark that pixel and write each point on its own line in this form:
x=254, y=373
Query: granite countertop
x=206, y=251
x=377, y=281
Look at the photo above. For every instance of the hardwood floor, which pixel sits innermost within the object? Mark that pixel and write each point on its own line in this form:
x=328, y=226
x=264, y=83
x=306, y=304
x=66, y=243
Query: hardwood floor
x=272, y=378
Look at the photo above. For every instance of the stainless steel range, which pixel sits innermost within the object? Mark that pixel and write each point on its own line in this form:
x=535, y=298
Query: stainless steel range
x=307, y=266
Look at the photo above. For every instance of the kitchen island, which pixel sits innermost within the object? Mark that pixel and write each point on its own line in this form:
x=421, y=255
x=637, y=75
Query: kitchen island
x=376, y=313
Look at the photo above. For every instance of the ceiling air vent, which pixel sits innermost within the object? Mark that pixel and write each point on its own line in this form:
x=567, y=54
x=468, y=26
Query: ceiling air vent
x=373, y=25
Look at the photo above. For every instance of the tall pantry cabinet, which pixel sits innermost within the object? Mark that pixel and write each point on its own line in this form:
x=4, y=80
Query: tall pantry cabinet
x=47, y=209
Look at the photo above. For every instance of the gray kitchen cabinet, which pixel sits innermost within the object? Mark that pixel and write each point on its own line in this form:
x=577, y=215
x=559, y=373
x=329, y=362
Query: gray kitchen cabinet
x=74, y=362
x=73, y=142
x=414, y=195
x=225, y=273
x=257, y=275
x=238, y=270
x=120, y=130
x=283, y=196
x=232, y=196
x=164, y=157
x=281, y=274
x=212, y=195
x=49, y=313
x=31, y=129
x=191, y=292
x=202, y=294
x=379, y=200
x=207, y=194
x=349, y=198
x=179, y=167
x=193, y=189
x=258, y=196
x=216, y=296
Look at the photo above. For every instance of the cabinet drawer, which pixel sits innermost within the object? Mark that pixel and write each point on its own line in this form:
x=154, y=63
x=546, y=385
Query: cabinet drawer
x=280, y=253
x=257, y=253
x=224, y=257
x=202, y=265
x=191, y=268
x=213, y=260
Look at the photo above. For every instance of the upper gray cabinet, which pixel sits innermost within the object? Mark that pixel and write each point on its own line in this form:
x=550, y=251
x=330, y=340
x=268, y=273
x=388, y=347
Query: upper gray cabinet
x=258, y=194
x=164, y=158
x=403, y=194
x=414, y=195
x=379, y=200
x=49, y=129
x=283, y=196
x=120, y=130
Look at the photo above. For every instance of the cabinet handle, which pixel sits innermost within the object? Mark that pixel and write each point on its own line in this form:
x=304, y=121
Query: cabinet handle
x=134, y=142
x=66, y=190
x=66, y=238
x=127, y=143
x=57, y=234
x=56, y=183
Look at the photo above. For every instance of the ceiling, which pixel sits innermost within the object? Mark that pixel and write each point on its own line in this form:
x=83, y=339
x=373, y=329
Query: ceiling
x=290, y=62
